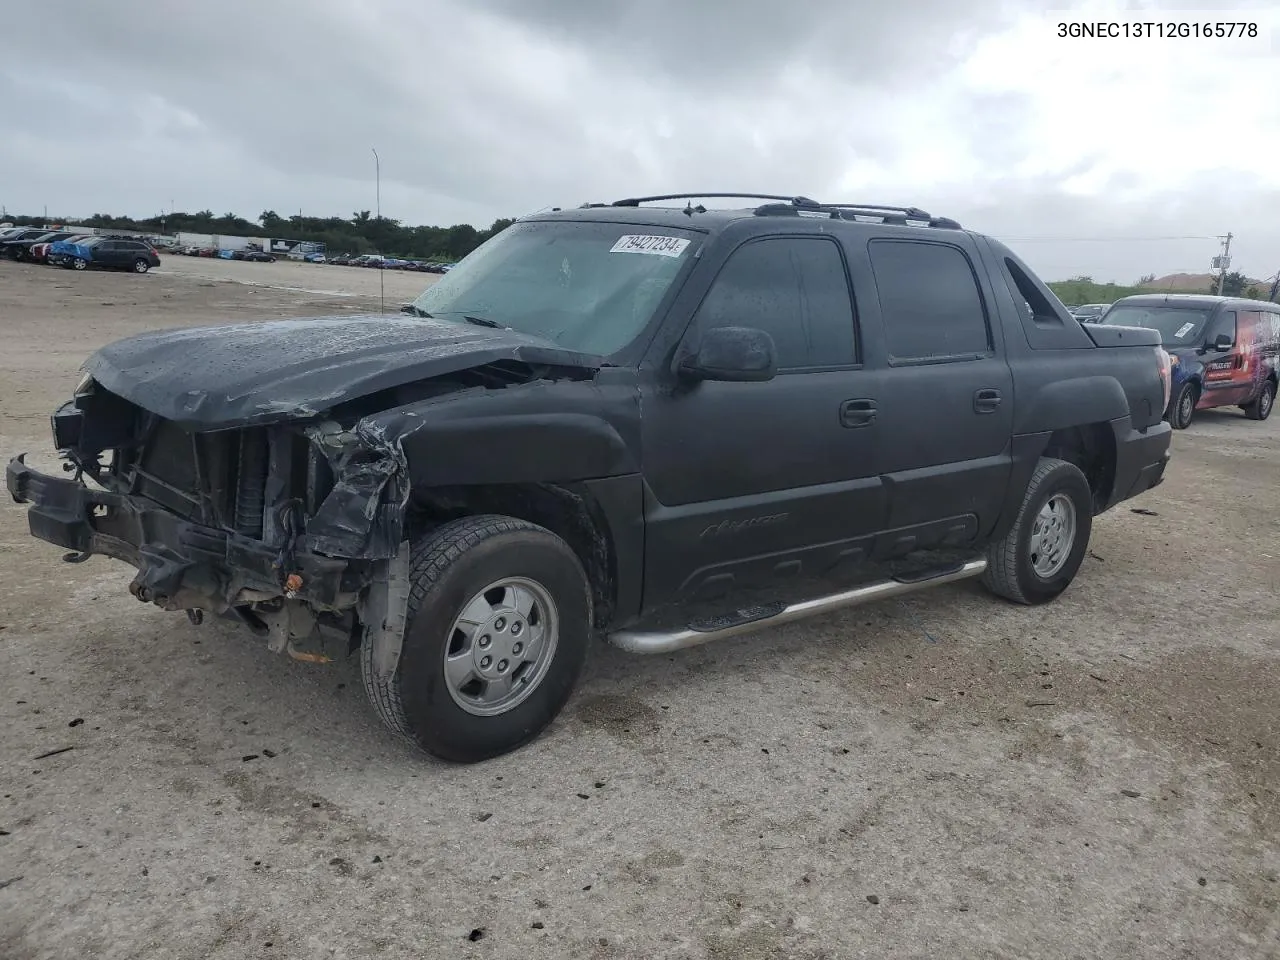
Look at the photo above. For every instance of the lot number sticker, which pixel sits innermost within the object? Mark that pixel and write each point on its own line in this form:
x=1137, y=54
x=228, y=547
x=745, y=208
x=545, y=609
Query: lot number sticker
x=1184, y=330
x=655, y=246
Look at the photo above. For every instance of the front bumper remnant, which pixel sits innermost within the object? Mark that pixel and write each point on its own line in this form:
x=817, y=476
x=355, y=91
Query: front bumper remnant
x=181, y=565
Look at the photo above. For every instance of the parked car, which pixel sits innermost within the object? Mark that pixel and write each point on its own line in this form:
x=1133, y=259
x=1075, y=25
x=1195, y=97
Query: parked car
x=109, y=253
x=666, y=427
x=255, y=256
x=41, y=252
x=342, y=259
x=1225, y=350
x=1089, y=312
x=19, y=248
x=367, y=260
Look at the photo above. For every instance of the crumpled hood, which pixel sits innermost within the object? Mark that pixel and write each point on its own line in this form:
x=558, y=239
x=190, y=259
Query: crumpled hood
x=209, y=378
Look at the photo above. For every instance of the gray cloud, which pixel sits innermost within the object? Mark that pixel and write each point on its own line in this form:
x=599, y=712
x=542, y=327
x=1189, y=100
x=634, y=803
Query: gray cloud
x=492, y=108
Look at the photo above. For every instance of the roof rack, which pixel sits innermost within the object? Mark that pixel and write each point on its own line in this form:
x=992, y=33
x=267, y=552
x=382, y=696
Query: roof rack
x=636, y=201
x=893, y=216
x=793, y=206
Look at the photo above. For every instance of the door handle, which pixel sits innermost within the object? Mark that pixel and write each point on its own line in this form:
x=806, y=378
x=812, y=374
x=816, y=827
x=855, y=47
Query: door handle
x=986, y=401
x=857, y=413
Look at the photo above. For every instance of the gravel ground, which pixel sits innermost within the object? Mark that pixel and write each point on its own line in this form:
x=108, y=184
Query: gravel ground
x=945, y=776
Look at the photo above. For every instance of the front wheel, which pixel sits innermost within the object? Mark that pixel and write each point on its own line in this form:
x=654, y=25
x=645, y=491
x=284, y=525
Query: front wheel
x=1260, y=408
x=498, y=626
x=1183, y=408
x=1040, y=555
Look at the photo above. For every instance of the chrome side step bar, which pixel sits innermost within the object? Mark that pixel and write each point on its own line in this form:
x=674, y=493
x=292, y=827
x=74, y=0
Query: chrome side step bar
x=773, y=615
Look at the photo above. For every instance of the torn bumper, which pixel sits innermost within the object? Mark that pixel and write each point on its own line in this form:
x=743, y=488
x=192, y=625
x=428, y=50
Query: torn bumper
x=181, y=565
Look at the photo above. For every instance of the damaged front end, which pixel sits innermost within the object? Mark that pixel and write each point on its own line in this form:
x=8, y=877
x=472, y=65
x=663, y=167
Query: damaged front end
x=292, y=528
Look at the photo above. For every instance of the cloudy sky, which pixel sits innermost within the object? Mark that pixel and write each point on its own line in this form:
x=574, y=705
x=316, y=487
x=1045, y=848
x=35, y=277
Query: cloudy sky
x=1108, y=157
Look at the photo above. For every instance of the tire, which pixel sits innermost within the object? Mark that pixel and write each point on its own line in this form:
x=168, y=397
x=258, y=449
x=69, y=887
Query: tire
x=463, y=566
x=1182, y=409
x=1022, y=570
x=79, y=263
x=141, y=266
x=1260, y=408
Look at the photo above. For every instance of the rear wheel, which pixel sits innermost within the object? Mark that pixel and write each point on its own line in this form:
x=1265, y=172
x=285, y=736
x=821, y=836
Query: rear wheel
x=1260, y=408
x=79, y=263
x=1040, y=555
x=498, y=626
x=1183, y=409
x=141, y=266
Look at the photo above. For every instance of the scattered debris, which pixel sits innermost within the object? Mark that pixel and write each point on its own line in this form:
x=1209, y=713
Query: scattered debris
x=537, y=925
x=872, y=899
x=1131, y=793
x=268, y=753
x=933, y=699
x=247, y=757
x=584, y=796
x=1042, y=703
x=476, y=934
x=9, y=883
x=1099, y=679
x=482, y=817
x=76, y=722
x=1096, y=557
x=1202, y=881
x=53, y=753
x=376, y=858
x=1144, y=512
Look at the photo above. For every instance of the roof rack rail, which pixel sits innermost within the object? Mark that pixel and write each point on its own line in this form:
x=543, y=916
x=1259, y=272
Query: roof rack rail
x=794, y=200
x=894, y=216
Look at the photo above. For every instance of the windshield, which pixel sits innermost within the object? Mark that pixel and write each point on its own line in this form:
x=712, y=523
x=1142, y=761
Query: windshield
x=1178, y=326
x=1090, y=309
x=590, y=287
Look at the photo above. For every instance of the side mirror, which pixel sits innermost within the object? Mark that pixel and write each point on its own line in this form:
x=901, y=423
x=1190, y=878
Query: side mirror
x=1222, y=342
x=733, y=355
x=407, y=308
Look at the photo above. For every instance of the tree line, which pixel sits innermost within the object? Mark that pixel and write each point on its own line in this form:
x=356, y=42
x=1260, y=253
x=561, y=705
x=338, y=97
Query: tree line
x=1078, y=290
x=362, y=233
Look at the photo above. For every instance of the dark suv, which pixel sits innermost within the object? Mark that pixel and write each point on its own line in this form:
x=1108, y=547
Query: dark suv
x=660, y=425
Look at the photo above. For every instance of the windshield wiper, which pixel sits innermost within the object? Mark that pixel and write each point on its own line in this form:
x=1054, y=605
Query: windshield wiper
x=482, y=322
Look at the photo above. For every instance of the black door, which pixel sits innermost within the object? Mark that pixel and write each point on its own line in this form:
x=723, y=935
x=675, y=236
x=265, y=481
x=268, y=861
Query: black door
x=750, y=482
x=107, y=253
x=946, y=397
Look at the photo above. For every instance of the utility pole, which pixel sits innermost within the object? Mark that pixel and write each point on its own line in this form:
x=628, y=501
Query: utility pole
x=1224, y=261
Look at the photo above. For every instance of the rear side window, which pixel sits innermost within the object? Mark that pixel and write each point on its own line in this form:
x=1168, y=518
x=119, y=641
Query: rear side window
x=930, y=301
x=795, y=288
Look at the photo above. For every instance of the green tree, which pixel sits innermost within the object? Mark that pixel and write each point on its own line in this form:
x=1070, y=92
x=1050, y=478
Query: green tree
x=1234, y=284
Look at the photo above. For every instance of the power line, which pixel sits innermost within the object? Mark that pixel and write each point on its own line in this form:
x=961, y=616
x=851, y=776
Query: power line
x=1097, y=239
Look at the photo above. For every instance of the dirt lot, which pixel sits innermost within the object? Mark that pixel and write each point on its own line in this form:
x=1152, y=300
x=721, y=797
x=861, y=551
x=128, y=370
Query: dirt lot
x=944, y=777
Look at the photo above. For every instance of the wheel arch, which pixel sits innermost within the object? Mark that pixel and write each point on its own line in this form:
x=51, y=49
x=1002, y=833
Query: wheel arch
x=1092, y=448
x=569, y=511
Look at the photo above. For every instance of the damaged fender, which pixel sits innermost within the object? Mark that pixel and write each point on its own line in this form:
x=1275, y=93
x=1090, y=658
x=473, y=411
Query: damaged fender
x=362, y=517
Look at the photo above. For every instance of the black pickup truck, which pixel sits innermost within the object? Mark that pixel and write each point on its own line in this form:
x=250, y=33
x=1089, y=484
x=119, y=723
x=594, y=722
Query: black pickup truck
x=658, y=424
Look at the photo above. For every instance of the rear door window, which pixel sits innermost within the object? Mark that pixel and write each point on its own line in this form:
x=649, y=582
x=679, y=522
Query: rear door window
x=930, y=300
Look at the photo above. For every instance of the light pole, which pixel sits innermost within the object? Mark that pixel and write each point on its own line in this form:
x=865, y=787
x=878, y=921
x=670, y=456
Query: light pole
x=382, y=273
